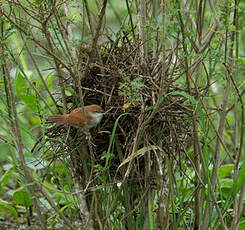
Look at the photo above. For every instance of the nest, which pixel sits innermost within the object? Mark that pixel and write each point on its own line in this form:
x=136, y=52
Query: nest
x=119, y=82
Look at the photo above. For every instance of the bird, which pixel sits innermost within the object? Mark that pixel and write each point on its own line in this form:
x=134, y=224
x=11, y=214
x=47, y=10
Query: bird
x=75, y=118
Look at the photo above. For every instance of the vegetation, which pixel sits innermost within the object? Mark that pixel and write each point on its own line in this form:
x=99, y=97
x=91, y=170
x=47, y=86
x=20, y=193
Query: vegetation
x=169, y=152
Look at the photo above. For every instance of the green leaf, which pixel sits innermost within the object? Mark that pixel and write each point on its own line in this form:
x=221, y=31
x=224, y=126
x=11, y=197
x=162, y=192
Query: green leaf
x=139, y=153
x=225, y=171
x=240, y=180
x=22, y=197
x=238, y=184
x=5, y=177
x=151, y=220
x=31, y=162
x=242, y=223
x=226, y=187
x=25, y=92
x=6, y=206
x=111, y=143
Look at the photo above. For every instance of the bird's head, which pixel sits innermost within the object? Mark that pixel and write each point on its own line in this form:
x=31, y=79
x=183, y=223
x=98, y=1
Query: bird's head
x=96, y=114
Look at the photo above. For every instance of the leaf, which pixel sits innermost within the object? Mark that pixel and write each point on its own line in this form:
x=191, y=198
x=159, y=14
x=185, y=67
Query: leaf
x=126, y=105
x=22, y=197
x=240, y=180
x=5, y=177
x=225, y=171
x=25, y=92
x=6, y=206
x=31, y=162
x=151, y=220
x=139, y=153
x=112, y=138
x=238, y=184
x=242, y=220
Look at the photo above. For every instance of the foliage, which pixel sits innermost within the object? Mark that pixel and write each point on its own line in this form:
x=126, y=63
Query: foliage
x=181, y=85
x=131, y=89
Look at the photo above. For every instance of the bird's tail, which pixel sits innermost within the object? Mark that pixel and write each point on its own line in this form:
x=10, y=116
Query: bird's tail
x=57, y=119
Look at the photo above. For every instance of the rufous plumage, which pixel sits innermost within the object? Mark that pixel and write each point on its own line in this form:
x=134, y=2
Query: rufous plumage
x=75, y=118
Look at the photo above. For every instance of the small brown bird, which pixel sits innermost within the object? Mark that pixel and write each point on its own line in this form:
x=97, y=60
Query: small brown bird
x=75, y=118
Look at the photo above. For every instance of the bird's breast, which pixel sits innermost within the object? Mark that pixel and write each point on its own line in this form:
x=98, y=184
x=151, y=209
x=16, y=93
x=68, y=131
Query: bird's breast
x=95, y=120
